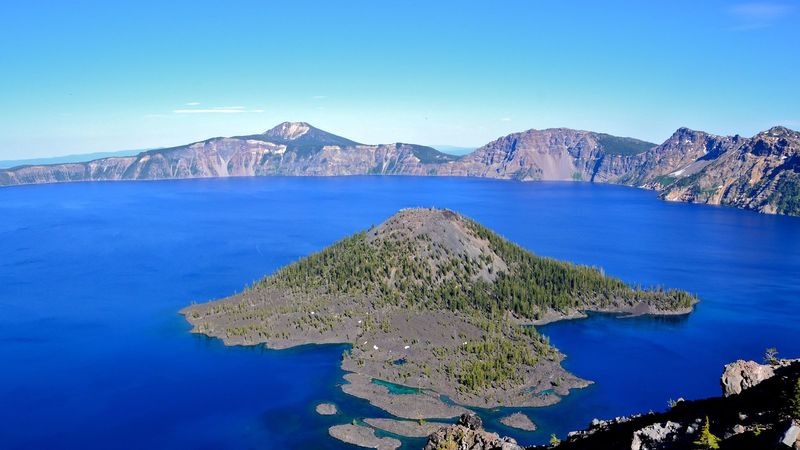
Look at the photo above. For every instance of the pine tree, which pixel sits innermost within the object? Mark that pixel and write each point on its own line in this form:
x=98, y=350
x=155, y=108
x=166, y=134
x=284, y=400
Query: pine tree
x=771, y=355
x=707, y=441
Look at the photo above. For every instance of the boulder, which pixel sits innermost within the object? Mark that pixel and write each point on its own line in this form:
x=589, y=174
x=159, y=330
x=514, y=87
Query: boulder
x=791, y=436
x=741, y=375
x=471, y=421
x=656, y=436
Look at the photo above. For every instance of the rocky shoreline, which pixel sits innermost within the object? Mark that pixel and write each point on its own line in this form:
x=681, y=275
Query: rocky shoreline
x=363, y=437
x=422, y=405
x=406, y=428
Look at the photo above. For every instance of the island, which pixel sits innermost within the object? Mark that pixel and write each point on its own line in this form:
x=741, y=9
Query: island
x=326, y=409
x=519, y=421
x=439, y=313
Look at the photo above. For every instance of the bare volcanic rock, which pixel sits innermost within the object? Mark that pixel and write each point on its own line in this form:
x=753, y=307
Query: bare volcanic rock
x=326, y=409
x=407, y=428
x=363, y=437
x=655, y=436
x=741, y=375
x=519, y=421
x=417, y=405
x=469, y=434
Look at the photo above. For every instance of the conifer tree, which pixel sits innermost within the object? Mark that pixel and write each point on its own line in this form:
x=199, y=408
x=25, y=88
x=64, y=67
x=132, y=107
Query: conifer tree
x=707, y=440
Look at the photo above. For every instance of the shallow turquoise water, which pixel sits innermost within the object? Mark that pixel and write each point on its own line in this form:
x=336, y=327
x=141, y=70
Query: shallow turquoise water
x=94, y=354
x=395, y=388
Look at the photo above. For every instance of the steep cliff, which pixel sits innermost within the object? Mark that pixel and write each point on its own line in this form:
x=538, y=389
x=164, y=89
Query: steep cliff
x=552, y=154
x=761, y=173
x=291, y=148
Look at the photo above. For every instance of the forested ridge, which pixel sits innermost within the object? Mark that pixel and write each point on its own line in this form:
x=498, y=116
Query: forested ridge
x=404, y=268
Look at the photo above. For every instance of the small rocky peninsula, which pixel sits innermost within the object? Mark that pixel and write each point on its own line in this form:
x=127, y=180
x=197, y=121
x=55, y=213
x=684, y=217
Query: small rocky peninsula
x=438, y=311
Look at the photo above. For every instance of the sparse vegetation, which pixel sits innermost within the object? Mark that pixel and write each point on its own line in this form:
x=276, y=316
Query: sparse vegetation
x=794, y=401
x=786, y=196
x=706, y=440
x=771, y=355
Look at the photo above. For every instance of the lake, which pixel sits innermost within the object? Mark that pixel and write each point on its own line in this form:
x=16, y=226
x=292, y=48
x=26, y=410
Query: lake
x=94, y=354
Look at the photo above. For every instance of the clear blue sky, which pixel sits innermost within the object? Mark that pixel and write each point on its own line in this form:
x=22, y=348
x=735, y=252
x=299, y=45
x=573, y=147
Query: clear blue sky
x=84, y=76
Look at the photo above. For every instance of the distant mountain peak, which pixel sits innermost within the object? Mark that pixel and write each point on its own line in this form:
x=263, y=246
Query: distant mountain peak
x=779, y=131
x=289, y=130
x=300, y=135
x=684, y=131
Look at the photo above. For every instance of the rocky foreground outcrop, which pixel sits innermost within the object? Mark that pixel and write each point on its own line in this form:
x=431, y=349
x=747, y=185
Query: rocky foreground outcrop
x=760, y=410
x=760, y=173
x=468, y=434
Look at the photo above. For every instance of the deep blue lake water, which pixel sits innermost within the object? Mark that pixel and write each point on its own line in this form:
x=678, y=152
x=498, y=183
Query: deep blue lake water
x=94, y=355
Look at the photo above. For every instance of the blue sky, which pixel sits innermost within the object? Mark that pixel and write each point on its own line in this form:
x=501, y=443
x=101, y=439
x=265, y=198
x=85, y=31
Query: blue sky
x=84, y=76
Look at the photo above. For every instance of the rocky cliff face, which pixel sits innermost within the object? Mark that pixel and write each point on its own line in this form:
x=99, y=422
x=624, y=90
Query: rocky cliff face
x=553, y=154
x=288, y=149
x=761, y=173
